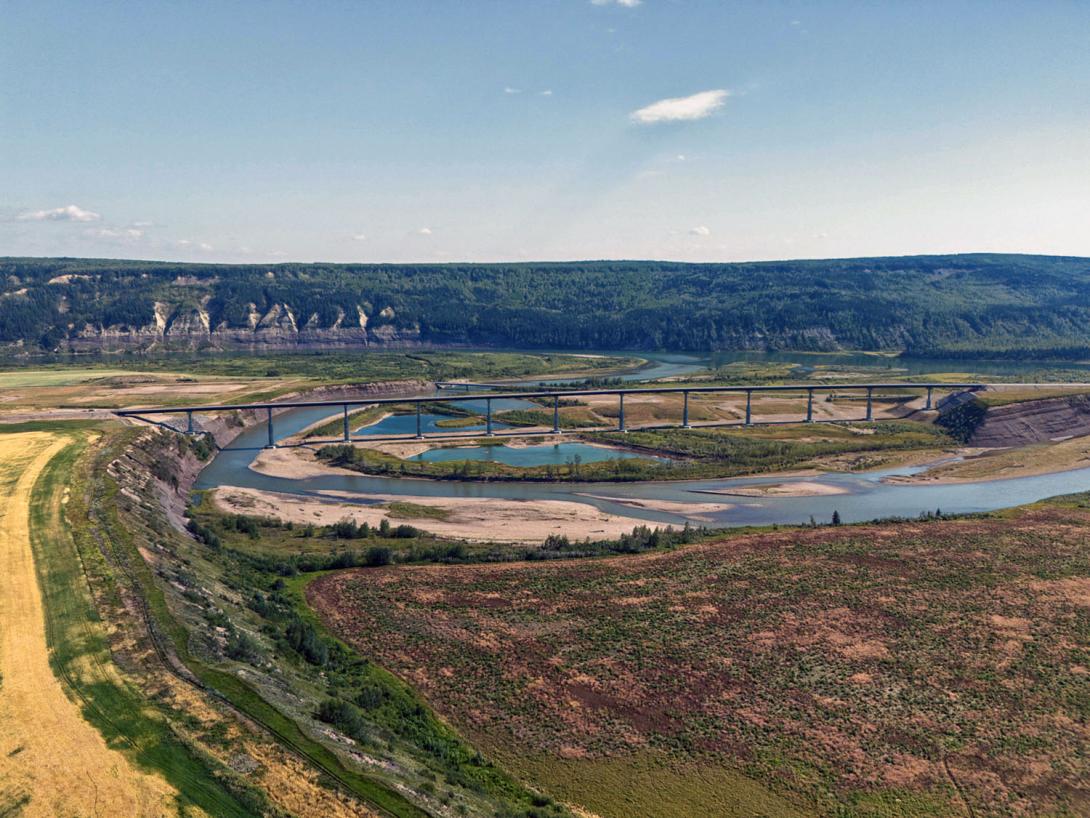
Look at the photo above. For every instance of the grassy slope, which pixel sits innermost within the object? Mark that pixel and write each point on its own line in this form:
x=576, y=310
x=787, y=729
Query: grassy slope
x=647, y=787
x=233, y=689
x=80, y=648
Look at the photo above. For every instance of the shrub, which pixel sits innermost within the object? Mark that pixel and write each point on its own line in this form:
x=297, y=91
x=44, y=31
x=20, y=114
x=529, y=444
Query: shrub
x=242, y=647
x=304, y=640
x=345, y=716
x=377, y=555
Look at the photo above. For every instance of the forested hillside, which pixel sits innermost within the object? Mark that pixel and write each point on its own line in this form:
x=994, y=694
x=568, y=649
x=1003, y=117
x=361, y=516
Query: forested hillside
x=1032, y=305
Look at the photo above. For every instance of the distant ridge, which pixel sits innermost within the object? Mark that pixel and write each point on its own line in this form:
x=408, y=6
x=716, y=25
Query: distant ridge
x=1000, y=304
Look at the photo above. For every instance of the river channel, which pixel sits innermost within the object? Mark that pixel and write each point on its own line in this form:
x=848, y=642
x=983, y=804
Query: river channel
x=858, y=496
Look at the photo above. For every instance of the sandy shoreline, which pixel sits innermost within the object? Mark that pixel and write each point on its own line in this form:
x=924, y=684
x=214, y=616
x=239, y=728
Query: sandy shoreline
x=481, y=519
x=296, y=463
x=802, y=488
x=981, y=465
x=696, y=511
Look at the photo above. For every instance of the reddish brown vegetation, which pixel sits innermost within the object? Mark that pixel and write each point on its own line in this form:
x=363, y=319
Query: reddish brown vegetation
x=927, y=657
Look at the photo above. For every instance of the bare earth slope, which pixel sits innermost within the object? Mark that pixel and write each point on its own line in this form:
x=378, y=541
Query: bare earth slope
x=1037, y=421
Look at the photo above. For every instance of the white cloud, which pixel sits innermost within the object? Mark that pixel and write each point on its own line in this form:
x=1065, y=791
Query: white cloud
x=359, y=237
x=69, y=213
x=120, y=234
x=548, y=92
x=678, y=109
x=699, y=230
x=206, y=247
x=510, y=90
x=423, y=231
x=628, y=4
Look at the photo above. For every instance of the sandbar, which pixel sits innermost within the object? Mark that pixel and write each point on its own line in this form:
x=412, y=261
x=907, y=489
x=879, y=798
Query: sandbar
x=481, y=519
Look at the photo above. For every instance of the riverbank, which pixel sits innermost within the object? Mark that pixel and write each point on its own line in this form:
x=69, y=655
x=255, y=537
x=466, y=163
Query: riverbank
x=802, y=488
x=977, y=465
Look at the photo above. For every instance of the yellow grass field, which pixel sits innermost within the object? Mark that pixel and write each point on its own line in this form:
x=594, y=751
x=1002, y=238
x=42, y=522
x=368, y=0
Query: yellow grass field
x=52, y=762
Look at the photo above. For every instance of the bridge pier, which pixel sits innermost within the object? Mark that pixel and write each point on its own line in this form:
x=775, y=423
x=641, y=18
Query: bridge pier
x=931, y=390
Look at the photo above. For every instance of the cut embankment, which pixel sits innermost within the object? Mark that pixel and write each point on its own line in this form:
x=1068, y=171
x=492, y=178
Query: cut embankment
x=1033, y=421
x=52, y=761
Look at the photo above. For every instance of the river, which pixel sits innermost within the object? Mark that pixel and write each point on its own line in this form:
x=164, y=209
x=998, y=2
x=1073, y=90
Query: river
x=859, y=496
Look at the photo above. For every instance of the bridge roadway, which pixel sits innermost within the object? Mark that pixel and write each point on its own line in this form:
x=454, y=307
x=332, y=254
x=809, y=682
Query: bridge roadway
x=557, y=396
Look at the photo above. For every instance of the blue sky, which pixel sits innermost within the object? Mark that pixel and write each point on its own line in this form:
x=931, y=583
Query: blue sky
x=443, y=131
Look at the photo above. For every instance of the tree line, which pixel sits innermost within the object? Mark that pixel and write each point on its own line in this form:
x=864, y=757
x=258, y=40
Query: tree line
x=1020, y=305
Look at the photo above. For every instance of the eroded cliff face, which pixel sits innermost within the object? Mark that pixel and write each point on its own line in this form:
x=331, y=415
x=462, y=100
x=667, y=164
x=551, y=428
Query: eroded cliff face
x=190, y=327
x=1037, y=421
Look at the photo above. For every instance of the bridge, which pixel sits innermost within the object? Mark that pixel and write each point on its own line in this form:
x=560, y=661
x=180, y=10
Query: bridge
x=555, y=396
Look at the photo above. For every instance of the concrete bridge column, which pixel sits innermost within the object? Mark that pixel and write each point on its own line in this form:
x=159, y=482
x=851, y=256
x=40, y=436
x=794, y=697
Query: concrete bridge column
x=749, y=406
x=347, y=434
x=272, y=438
x=488, y=416
x=685, y=413
x=870, y=403
x=809, y=405
x=930, y=392
x=556, y=414
x=419, y=428
x=189, y=422
x=620, y=417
